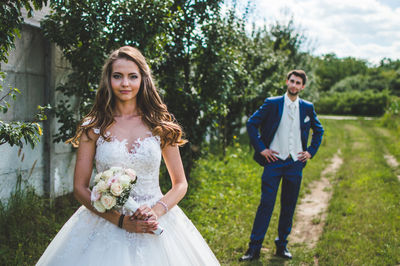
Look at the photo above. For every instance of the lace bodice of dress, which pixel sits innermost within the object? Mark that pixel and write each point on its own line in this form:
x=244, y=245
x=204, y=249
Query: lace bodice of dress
x=144, y=156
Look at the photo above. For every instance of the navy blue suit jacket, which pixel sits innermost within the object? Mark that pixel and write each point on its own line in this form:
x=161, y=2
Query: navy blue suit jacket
x=263, y=124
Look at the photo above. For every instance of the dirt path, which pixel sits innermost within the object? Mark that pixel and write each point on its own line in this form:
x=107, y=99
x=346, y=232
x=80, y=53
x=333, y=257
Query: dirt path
x=311, y=212
x=345, y=117
x=392, y=162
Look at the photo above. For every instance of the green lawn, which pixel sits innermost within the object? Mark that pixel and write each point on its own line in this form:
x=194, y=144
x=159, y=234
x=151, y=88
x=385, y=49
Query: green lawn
x=363, y=223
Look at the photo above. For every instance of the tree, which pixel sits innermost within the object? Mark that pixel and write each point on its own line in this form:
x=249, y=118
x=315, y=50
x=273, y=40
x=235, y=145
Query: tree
x=221, y=78
x=331, y=69
x=287, y=38
x=209, y=71
x=11, y=21
x=165, y=31
x=87, y=31
x=390, y=71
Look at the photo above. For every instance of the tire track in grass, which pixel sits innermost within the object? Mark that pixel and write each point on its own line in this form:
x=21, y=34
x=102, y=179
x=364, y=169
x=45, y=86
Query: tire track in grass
x=392, y=162
x=311, y=212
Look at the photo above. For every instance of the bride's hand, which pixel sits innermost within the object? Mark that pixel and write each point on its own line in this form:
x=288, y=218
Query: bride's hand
x=144, y=213
x=140, y=226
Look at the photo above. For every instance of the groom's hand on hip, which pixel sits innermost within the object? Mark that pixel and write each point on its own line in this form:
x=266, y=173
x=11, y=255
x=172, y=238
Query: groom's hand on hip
x=269, y=155
x=304, y=156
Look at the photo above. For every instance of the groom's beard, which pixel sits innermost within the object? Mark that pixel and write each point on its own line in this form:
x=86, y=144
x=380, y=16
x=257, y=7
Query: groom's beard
x=293, y=93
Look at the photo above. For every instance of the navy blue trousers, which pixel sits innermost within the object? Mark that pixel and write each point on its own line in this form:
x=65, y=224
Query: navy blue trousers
x=291, y=174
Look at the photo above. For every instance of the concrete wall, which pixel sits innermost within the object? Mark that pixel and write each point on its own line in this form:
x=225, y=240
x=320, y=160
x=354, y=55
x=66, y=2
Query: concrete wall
x=35, y=67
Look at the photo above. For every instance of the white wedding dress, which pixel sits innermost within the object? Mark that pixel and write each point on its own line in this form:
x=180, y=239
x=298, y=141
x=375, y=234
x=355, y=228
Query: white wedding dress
x=87, y=239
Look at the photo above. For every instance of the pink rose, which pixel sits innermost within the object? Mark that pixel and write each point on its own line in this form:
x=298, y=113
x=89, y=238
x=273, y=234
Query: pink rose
x=116, y=189
x=131, y=173
x=112, y=180
x=108, y=201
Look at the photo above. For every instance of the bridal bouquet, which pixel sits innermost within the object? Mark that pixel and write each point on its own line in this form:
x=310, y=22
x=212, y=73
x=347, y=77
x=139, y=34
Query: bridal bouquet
x=112, y=188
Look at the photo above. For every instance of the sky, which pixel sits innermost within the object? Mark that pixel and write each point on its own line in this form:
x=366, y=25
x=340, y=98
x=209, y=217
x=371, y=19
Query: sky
x=365, y=29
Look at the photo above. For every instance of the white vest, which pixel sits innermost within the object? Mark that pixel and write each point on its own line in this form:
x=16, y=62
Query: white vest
x=287, y=139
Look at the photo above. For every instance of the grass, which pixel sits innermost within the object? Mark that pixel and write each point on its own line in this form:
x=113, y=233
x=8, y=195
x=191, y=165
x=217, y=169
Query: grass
x=363, y=223
x=27, y=225
x=223, y=202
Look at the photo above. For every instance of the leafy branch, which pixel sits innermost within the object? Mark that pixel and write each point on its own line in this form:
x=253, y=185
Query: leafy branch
x=15, y=132
x=11, y=20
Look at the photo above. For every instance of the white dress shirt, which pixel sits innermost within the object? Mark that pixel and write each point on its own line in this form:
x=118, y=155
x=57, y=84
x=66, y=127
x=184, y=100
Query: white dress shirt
x=287, y=139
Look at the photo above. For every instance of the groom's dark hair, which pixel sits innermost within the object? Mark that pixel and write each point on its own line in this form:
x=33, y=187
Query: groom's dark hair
x=299, y=73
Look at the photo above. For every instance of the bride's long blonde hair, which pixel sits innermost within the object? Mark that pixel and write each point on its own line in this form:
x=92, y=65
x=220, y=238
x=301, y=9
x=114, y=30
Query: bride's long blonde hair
x=154, y=112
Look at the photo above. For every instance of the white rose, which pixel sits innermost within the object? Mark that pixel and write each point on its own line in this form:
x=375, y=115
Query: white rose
x=116, y=189
x=107, y=175
x=102, y=186
x=99, y=206
x=97, y=178
x=108, y=201
x=125, y=180
x=131, y=173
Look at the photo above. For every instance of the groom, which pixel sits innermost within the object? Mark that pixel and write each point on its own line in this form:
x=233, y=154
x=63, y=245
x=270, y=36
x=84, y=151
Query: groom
x=281, y=148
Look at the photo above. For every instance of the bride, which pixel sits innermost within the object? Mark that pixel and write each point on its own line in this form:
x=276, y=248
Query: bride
x=129, y=126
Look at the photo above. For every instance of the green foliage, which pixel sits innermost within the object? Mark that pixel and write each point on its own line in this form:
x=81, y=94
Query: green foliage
x=349, y=74
x=15, y=132
x=225, y=191
x=287, y=38
x=351, y=83
x=362, y=225
x=28, y=223
x=331, y=69
x=11, y=21
x=87, y=31
x=266, y=69
x=375, y=80
x=220, y=77
x=387, y=75
x=224, y=194
x=394, y=106
x=208, y=70
x=12, y=93
x=391, y=118
x=165, y=31
x=354, y=103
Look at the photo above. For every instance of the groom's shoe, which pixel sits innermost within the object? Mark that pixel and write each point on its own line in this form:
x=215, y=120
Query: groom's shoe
x=283, y=252
x=250, y=254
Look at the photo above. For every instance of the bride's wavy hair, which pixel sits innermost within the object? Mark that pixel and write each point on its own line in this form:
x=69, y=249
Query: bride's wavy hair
x=150, y=105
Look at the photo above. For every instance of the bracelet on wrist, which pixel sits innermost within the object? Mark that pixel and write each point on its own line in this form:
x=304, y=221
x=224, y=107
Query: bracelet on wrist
x=164, y=205
x=121, y=220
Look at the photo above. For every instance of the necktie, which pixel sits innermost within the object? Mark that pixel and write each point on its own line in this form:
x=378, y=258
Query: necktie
x=292, y=109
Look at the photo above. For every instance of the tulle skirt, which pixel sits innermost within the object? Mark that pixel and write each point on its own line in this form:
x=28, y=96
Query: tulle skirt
x=87, y=239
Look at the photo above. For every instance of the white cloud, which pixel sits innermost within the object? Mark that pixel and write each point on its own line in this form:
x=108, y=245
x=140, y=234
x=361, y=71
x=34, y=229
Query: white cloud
x=365, y=29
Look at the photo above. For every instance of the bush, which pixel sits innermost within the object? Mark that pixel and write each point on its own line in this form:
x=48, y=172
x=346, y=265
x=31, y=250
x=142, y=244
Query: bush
x=391, y=118
x=351, y=83
x=366, y=102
